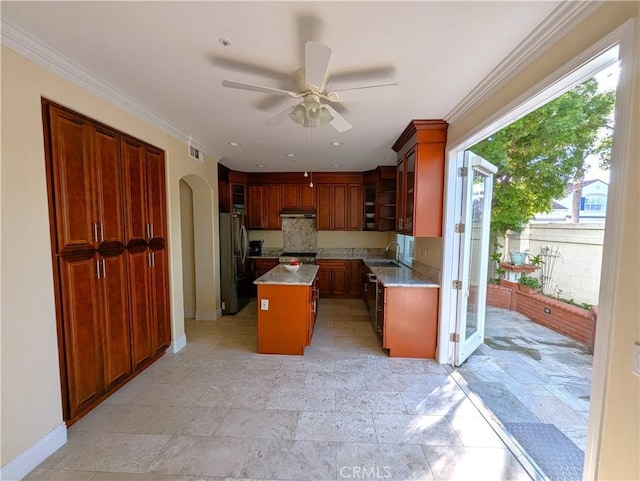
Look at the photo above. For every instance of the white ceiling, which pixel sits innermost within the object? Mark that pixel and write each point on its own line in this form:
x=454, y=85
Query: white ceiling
x=166, y=56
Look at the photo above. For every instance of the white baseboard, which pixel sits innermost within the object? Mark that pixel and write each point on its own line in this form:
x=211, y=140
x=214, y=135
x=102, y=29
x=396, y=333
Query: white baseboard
x=179, y=343
x=207, y=316
x=24, y=463
x=189, y=313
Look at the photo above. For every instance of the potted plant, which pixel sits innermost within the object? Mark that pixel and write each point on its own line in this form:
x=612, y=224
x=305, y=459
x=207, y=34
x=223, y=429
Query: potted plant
x=517, y=258
x=529, y=284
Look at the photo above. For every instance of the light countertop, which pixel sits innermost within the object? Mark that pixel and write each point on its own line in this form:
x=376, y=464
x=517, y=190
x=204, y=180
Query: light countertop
x=279, y=275
x=401, y=276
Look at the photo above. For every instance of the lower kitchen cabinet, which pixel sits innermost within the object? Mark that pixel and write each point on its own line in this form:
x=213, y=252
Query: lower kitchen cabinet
x=287, y=326
x=339, y=278
x=410, y=321
x=259, y=267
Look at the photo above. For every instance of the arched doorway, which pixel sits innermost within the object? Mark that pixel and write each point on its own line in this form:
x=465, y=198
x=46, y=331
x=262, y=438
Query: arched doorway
x=200, y=273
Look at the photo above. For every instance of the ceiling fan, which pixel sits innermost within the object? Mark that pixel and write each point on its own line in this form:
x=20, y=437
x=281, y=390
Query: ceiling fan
x=311, y=81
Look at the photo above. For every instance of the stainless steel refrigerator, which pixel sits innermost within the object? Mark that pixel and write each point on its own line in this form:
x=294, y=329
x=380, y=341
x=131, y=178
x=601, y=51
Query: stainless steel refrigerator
x=235, y=279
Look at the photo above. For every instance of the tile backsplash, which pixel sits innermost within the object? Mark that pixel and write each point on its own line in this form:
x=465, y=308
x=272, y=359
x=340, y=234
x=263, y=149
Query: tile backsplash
x=299, y=235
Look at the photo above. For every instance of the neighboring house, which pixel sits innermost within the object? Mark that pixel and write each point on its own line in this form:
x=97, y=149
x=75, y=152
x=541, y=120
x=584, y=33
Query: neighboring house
x=593, y=204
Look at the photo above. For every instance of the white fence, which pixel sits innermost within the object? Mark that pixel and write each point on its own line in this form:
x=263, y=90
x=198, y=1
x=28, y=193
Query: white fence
x=577, y=270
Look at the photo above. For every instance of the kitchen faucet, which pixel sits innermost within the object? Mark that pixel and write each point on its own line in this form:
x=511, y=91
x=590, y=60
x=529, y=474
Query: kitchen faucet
x=386, y=249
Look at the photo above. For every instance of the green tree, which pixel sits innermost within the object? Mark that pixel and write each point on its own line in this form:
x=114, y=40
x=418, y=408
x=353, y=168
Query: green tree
x=540, y=154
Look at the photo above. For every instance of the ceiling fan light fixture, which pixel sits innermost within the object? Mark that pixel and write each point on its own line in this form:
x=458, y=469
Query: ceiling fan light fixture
x=298, y=114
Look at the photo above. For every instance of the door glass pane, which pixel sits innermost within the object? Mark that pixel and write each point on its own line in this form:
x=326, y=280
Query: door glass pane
x=410, y=173
x=475, y=254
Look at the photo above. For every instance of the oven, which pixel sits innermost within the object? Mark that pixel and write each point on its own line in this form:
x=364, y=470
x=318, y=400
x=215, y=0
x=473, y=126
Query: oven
x=302, y=257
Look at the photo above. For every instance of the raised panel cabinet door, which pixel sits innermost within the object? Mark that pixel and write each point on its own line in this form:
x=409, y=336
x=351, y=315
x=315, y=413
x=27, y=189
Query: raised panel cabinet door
x=339, y=206
x=142, y=329
x=272, y=207
x=116, y=335
x=430, y=189
x=108, y=174
x=355, y=278
x=255, y=211
x=134, y=163
x=324, y=280
x=340, y=284
x=82, y=331
x=290, y=196
x=72, y=183
x=156, y=195
x=160, y=300
x=323, y=216
x=307, y=197
x=354, y=207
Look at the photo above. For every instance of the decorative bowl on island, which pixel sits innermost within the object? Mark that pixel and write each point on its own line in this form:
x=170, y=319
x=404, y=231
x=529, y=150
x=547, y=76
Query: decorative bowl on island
x=292, y=267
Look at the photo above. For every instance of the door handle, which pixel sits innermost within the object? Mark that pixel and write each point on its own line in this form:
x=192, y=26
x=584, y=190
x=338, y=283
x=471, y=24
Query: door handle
x=101, y=232
x=97, y=268
x=94, y=225
x=104, y=269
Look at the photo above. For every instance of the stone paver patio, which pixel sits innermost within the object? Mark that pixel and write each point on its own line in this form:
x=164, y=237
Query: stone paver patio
x=537, y=382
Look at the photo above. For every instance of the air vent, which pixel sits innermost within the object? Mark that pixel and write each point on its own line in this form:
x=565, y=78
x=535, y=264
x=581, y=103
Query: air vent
x=196, y=154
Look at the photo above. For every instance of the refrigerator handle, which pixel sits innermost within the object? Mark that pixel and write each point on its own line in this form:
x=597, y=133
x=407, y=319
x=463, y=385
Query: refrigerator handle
x=244, y=242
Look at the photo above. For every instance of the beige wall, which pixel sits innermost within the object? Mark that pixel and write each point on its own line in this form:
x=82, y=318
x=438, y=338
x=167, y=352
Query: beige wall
x=188, y=256
x=620, y=438
x=30, y=398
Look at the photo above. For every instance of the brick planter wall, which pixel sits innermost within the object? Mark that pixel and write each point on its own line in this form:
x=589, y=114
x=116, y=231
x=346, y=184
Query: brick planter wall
x=499, y=296
x=572, y=321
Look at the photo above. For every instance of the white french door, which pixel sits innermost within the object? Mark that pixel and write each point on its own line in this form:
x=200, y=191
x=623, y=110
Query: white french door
x=474, y=229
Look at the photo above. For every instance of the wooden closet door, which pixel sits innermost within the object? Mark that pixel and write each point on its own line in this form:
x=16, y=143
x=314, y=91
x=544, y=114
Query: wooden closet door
x=160, y=300
x=116, y=335
x=142, y=329
x=156, y=198
x=108, y=180
x=72, y=182
x=82, y=330
x=135, y=192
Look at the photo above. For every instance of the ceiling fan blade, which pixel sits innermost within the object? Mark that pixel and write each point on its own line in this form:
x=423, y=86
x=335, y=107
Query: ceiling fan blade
x=339, y=122
x=316, y=62
x=257, y=88
x=279, y=118
x=372, y=92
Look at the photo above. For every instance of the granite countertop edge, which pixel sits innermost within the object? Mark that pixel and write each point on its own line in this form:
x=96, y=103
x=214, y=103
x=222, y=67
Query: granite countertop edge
x=280, y=276
x=402, y=276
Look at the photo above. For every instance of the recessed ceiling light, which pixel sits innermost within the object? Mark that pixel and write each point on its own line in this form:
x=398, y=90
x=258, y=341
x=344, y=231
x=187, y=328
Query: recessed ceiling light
x=337, y=165
x=234, y=144
x=225, y=42
x=336, y=144
x=291, y=155
x=260, y=166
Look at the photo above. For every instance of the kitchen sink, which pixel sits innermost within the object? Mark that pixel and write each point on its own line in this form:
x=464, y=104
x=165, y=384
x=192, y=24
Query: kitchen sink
x=383, y=263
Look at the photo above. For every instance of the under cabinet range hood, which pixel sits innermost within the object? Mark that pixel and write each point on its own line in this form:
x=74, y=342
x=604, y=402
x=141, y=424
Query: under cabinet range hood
x=298, y=213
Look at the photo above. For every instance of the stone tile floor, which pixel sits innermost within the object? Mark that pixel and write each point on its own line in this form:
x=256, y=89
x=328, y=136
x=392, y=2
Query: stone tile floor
x=218, y=411
x=537, y=382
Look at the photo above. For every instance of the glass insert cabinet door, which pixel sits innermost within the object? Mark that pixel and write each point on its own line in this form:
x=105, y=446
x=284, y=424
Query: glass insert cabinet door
x=474, y=254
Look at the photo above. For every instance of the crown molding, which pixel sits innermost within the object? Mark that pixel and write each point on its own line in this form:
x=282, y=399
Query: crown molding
x=565, y=17
x=35, y=50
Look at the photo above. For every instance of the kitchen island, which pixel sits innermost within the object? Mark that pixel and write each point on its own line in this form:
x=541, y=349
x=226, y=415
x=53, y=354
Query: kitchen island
x=287, y=306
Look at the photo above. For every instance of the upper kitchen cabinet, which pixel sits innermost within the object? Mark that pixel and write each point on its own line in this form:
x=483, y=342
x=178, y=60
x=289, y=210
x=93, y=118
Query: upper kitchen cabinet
x=298, y=196
x=420, y=180
x=232, y=191
x=380, y=199
x=237, y=192
x=340, y=203
x=263, y=210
